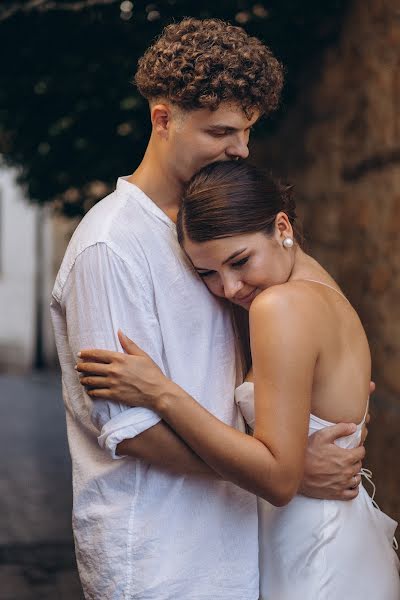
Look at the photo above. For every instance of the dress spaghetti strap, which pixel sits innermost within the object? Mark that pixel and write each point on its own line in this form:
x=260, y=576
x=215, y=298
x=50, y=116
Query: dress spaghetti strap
x=328, y=286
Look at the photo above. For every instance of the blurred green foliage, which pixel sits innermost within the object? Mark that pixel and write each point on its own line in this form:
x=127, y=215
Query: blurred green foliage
x=70, y=118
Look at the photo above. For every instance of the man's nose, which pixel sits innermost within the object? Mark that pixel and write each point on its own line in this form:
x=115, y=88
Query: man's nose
x=239, y=149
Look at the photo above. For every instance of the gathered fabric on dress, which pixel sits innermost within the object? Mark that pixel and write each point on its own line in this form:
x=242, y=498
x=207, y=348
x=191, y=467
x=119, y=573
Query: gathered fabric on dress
x=314, y=549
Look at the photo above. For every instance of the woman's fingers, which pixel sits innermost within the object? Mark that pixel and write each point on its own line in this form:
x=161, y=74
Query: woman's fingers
x=93, y=367
x=94, y=381
x=101, y=394
x=129, y=345
x=104, y=356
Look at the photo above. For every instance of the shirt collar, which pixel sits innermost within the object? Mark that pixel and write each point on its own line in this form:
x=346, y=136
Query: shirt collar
x=125, y=186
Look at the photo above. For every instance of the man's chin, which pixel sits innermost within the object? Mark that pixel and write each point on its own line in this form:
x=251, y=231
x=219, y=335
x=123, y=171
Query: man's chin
x=186, y=179
x=222, y=159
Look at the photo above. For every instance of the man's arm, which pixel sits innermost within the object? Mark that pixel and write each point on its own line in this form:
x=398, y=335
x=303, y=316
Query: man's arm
x=101, y=295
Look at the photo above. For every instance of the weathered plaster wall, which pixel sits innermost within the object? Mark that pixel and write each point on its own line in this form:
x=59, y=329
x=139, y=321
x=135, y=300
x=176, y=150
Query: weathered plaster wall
x=340, y=145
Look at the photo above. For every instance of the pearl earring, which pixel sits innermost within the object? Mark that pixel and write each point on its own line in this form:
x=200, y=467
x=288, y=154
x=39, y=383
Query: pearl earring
x=288, y=243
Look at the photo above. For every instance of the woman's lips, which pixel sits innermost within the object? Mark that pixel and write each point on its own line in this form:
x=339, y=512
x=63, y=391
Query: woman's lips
x=247, y=298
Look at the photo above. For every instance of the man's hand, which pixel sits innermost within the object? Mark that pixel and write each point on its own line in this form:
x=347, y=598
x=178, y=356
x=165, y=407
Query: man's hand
x=331, y=472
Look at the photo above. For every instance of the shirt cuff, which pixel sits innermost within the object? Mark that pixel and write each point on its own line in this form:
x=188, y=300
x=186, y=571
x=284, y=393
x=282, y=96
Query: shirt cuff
x=126, y=425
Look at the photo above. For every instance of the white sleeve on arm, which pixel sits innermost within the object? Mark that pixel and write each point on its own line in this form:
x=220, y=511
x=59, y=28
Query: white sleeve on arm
x=103, y=294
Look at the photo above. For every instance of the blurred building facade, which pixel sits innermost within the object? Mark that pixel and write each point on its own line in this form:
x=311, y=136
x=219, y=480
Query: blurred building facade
x=32, y=242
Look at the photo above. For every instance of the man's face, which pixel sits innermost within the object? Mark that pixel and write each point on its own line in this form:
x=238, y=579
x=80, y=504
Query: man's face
x=200, y=137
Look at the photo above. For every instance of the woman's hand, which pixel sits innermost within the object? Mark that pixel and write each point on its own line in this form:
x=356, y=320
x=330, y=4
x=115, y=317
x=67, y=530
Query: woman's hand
x=132, y=378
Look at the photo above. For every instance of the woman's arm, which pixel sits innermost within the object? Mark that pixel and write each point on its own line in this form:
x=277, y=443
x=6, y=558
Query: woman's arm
x=271, y=463
x=161, y=447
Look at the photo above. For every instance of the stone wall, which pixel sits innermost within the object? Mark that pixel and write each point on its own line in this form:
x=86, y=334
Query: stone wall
x=340, y=145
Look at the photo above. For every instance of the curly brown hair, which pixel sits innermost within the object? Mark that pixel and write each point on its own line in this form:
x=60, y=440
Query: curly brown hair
x=200, y=63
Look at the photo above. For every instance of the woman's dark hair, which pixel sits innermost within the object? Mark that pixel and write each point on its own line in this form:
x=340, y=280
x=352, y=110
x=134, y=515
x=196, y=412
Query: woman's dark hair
x=232, y=198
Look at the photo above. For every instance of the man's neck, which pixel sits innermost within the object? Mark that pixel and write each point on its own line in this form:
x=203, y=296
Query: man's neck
x=157, y=183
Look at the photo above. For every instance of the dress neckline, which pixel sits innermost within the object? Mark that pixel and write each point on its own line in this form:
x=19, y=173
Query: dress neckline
x=315, y=418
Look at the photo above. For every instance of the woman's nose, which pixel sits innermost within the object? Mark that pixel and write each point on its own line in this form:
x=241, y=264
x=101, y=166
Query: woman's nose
x=231, y=288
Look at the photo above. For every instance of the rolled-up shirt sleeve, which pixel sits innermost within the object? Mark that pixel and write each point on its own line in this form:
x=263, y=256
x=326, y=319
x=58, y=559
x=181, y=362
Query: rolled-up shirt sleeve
x=105, y=293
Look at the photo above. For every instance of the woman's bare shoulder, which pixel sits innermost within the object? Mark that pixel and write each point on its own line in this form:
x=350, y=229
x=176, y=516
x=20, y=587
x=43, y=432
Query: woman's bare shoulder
x=293, y=296
x=285, y=314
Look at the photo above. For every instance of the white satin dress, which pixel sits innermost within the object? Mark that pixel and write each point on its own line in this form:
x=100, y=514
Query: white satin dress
x=324, y=549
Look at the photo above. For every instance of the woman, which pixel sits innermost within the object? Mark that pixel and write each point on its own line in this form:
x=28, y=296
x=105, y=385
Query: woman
x=311, y=368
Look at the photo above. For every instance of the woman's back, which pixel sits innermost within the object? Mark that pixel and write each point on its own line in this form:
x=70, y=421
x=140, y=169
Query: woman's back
x=343, y=368
x=324, y=549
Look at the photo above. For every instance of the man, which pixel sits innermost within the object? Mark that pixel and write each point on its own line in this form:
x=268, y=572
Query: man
x=159, y=524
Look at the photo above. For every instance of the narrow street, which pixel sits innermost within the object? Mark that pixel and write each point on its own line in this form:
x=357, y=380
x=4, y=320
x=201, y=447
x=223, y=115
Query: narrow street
x=36, y=548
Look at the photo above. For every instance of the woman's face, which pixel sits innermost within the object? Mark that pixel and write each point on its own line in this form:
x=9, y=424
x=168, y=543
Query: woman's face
x=240, y=267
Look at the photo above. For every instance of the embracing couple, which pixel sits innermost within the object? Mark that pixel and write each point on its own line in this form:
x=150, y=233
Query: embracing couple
x=175, y=497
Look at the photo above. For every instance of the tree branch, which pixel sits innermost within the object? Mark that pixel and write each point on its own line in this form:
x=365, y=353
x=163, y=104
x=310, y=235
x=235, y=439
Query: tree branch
x=47, y=5
x=375, y=162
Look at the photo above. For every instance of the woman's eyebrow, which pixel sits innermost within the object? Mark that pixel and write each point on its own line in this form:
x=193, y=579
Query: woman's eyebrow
x=234, y=255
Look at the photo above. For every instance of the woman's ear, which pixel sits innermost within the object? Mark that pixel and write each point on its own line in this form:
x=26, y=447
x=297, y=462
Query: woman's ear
x=283, y=227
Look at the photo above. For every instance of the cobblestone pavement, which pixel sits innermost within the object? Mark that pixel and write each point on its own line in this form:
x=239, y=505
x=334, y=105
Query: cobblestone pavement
x=36, y=549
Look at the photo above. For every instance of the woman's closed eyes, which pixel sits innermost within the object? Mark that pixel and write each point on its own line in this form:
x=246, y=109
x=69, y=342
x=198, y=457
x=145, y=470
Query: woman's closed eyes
x=234, y=265
x=240, y=263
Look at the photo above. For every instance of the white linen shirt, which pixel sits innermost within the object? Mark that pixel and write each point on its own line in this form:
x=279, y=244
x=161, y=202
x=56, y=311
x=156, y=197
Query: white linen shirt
x=141, y=533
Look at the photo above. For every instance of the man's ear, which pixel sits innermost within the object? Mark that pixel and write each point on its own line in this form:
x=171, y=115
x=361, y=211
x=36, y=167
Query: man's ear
x=160, y=118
